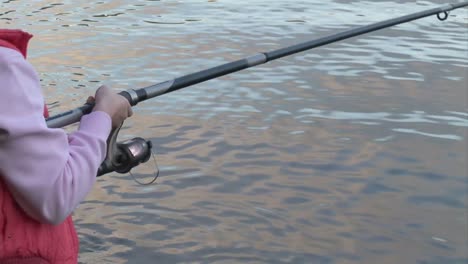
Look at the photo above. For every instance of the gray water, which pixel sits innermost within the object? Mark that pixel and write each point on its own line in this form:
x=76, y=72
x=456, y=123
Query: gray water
x=350, y=153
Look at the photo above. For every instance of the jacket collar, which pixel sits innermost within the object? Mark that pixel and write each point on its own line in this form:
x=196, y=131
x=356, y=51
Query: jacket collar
x=15, y=39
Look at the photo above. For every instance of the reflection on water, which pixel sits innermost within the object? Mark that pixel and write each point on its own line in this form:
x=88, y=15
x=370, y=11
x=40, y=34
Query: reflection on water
x=351, y=153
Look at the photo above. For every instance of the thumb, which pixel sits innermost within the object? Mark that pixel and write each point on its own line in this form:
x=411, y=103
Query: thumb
x=90, y=100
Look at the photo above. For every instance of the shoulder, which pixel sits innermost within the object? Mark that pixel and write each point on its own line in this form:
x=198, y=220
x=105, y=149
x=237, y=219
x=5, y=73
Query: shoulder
x=12, y=61
x=19, y=82
x=10, y=55
x=13, y=65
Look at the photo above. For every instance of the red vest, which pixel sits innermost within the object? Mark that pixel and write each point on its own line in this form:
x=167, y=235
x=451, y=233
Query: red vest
x=23, y=239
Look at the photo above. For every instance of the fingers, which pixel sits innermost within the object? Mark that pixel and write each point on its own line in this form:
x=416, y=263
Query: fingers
x=117, y=106
x=130, y=111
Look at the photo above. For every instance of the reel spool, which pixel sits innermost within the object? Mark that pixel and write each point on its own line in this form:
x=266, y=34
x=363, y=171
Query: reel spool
x=123, y=156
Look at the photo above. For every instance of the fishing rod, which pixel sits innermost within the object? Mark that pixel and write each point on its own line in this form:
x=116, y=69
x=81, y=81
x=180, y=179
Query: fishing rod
x=122, y=152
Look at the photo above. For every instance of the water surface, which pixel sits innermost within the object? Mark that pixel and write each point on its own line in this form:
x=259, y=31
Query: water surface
x=350, y=153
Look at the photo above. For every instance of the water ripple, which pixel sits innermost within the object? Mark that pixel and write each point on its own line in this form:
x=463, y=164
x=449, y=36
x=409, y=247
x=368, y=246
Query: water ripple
x=349, y=153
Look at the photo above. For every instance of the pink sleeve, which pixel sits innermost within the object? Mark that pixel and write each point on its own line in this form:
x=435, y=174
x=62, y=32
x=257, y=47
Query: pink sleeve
x=47, y=171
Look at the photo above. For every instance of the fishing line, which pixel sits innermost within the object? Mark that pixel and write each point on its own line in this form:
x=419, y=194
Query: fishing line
x=156, y=173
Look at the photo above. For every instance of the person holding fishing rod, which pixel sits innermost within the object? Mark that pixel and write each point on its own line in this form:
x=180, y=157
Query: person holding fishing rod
x=44, y=173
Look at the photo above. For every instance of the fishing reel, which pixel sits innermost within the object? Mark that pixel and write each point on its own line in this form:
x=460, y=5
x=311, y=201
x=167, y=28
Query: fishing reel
x=123, y=156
